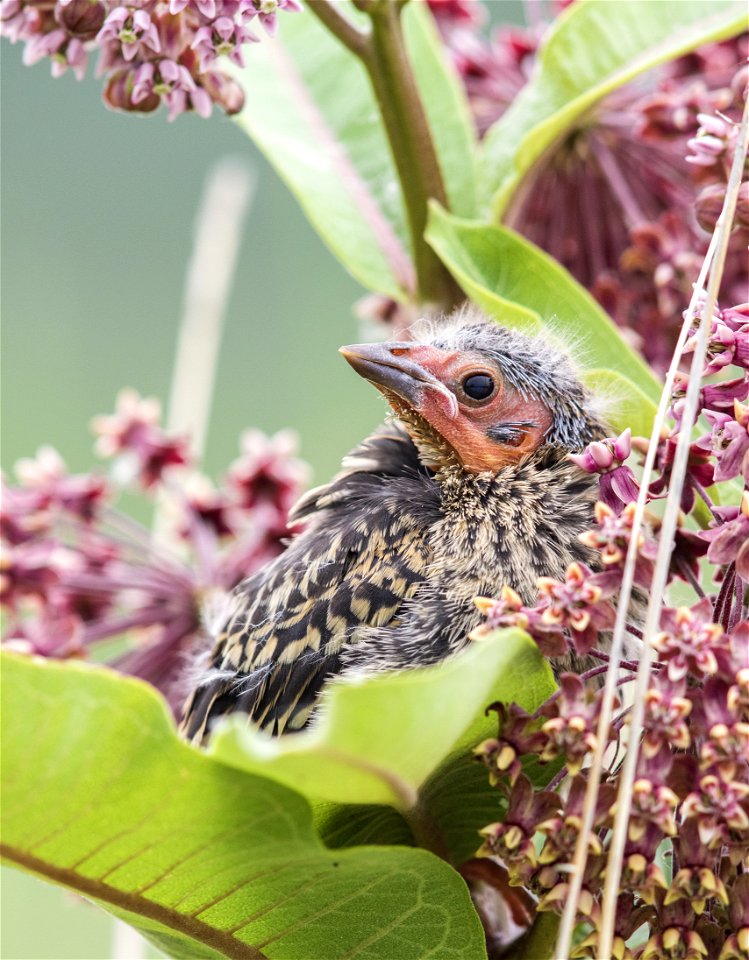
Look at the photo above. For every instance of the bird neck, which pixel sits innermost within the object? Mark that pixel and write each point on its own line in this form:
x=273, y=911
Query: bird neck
x=548, y=467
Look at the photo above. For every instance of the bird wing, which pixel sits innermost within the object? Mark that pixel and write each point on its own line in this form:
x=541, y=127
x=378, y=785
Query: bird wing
x=363, y=553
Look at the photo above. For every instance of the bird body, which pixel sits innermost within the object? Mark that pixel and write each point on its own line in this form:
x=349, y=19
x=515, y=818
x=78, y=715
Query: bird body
x=454, y=498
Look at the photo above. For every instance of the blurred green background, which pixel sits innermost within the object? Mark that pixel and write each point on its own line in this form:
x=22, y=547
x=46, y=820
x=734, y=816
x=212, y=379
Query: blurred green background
x=97, y=216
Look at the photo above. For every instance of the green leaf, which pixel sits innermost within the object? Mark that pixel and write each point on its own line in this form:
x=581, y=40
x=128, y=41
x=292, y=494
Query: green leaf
x=592, y=49
x=540, y=940
x=378, y=740
x=312, y=113
x=100, y=795
x=501, y=270
x=311, y=110
x=623, y=404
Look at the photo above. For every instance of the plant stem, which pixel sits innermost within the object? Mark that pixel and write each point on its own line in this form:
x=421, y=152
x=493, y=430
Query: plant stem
x=412, y=147
x=358, y=41
x=382, y=51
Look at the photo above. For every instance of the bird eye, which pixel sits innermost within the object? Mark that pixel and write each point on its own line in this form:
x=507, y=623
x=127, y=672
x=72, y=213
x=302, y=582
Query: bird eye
x=478, y=386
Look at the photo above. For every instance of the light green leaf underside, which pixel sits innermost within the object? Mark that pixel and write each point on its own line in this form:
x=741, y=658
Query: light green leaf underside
x=525, y=288
x=311, y=110
x=622, y=403
x=448, y=113
x=376, y=741
x=99, y=794
x=592, y=49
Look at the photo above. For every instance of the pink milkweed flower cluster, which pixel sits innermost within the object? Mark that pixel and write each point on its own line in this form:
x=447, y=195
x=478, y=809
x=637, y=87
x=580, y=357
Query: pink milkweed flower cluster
x=684, y=880
x=150, y=51
x=720, y=455
x=79, y=576
x=688, y=834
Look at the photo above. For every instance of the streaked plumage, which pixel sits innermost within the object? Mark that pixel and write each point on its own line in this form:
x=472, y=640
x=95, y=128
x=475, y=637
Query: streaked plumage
x=394, y=549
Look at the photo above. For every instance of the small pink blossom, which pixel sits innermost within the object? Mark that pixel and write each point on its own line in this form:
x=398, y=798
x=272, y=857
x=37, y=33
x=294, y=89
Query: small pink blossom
x=43, y=45
x=617, y=484
x=689, y=641
x=729, y=442
x=267, y=11
x=719, y=806
x=134, y=434
x=729, y=540
x=71, y=56
x=223, y=37
x=206, y=8
x=133, y=30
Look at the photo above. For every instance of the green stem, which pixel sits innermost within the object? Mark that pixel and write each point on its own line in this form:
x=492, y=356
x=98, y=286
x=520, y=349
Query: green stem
x=383, y=53
x=358, y=41
x=426, y=832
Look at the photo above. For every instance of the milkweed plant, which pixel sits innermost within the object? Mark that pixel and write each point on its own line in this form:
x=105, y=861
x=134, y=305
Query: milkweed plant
x=585, y=175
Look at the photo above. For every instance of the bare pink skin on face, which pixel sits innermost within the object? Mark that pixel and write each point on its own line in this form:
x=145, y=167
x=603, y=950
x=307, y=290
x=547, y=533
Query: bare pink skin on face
x=466, y=425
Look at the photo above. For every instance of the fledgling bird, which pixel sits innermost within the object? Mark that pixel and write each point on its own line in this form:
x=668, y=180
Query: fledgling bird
x=467, y=488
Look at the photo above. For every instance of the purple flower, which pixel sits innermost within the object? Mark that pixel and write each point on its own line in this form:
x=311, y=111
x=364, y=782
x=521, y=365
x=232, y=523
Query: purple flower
x=134, y=434
x=174, y=84
x=719, y=807
x=728, y=339
x=728, y=441
x=267, y=476
x=512, y=839
x=612, y=540
x=133, y=31
x=76, y=572
x=737, y=320
x=618, y=485
x=19, y=21
x=223, y=37
x=206, y=8
x=43, y=45
x=81, y=496
x=666, y=712
x=689, y=641
x=729, y=540
x=82, y=19
x=712, y=142
x=572, y=724
x=267, y=11
x=576, y=604
x=517, y=736
x=72, y=55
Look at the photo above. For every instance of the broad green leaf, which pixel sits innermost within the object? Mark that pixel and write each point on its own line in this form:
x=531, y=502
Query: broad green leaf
x=377, y=740
x=624, y=404
x=496, y=266
x=592, y=49
x=311, y=110
x=100, y=795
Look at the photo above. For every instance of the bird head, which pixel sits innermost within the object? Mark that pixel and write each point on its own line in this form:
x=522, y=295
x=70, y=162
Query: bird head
x=469, y=390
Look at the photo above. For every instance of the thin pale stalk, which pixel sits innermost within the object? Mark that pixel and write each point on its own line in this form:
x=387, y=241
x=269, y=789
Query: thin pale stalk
x=567, y=925
x=218, y=231
x=665, y=547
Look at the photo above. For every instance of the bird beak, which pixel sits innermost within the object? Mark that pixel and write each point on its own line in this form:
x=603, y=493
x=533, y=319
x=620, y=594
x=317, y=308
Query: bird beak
x=398, y=368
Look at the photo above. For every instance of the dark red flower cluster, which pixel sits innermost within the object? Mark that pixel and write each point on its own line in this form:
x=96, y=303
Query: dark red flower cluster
x=683, y=881
x=150, y=51
x=76, y=571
